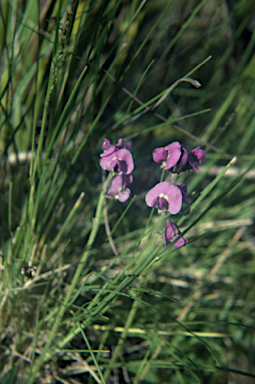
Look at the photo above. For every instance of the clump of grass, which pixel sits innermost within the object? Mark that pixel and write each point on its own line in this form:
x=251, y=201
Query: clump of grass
x=88, y=292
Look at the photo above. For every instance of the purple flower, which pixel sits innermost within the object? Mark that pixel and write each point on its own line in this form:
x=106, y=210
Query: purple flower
x=121, y=144
x=183, y=188
x=176, y=156
x=189, y=159
x=199, y=154
x=106, y=144
x=165, y=196
x=119, y=160
x=117, y=187
x=171, y=233
x=168, y=156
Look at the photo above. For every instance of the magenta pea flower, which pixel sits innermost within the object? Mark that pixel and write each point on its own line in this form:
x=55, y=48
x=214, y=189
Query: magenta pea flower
x=176, y=156
x=122, y=144
x=168, y=156
x=189, y=160
x=165, y=196
x=117, y=187
x=171, y=233
x=119, y=160
x=106, y=144
x=197, y=155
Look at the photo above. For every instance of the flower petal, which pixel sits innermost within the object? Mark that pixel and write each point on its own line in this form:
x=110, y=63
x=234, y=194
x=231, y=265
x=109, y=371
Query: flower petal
x=192, y=161
x=199, y=154
x=179, y=243
x=108, y=151
x=106, y=163
x=174, y=197
x=106, y=144
x=169, y=192
x=183, y=188
x=129, y=145
x=173, y=154
x=153, y=195
x=120, y=143
x=173, y=158
x=159, y=155
x=184, y=157
x=124, y=195
x=173, y=145
x=162, y=203
x=115, y=186
x=126, y=161
x=171, y=233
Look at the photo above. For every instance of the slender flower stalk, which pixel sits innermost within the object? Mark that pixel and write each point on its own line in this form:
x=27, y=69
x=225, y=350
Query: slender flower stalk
x=144, y=260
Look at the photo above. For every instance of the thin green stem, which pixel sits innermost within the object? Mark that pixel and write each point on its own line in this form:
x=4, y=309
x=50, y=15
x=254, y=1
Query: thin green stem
x=100, y=304
x=64, y=305
x=124, y=334
x=134, y=308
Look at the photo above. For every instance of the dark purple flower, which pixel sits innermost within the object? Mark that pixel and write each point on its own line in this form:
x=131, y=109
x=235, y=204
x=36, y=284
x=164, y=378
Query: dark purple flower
x=183, y=188
x=171, y=233
x=165, y=196
x=191, y=159
x=117, y=187
x=119, y=160
x=199, y=154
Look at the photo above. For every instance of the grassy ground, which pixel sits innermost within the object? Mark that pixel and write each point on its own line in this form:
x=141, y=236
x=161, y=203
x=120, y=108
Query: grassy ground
x=88, y=292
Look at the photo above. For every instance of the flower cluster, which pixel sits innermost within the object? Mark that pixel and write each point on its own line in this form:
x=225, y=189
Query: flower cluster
x=118, y=160
x=167, y=196
x=176, y=157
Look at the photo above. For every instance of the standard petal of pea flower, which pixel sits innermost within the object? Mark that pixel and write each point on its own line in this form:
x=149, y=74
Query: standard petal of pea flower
x=119, y=160
x=165, y=196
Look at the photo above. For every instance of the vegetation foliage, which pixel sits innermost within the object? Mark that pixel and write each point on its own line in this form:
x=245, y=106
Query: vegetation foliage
x=88, y=291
